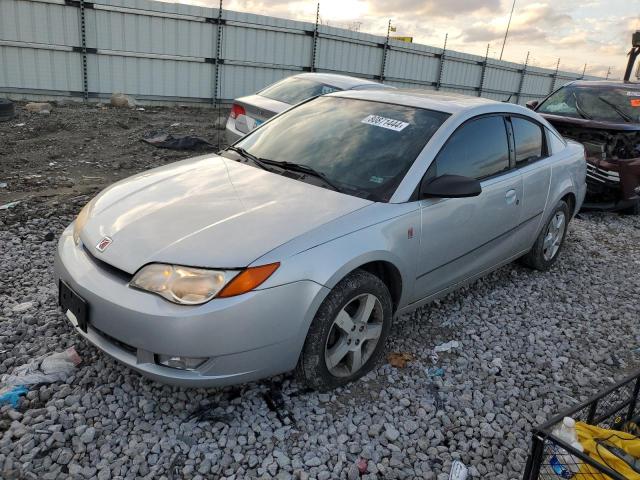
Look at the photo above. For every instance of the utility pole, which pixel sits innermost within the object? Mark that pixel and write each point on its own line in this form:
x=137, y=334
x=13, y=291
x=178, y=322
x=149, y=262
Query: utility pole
x=508, y=25
x=608, y=73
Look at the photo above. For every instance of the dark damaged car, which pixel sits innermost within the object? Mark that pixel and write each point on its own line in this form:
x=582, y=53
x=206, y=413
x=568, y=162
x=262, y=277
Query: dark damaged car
x=605, y=117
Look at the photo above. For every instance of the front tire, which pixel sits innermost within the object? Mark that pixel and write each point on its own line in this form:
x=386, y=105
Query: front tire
x=549, y=243
x=347, y=336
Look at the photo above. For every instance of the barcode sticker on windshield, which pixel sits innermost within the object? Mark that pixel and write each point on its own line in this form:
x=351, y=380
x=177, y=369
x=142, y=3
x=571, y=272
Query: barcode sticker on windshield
x=388, y=123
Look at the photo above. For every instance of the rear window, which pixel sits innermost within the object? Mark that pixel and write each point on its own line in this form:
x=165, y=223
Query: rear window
x=294, y=90
x=364, y=147
x=605, y=104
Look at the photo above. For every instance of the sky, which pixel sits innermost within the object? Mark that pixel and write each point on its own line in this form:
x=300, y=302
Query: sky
x=579, y=32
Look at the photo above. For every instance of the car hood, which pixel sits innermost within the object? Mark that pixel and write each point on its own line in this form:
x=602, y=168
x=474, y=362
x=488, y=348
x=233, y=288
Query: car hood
x=207, y=212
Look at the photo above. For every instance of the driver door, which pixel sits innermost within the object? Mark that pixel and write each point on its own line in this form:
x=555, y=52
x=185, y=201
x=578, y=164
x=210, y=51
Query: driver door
x=463, y=237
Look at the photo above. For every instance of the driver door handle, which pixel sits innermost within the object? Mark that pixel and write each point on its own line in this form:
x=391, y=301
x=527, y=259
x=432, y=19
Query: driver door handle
x=512, y=197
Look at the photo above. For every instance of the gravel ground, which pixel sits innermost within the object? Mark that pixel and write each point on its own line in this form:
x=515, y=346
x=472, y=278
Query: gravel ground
x=531, y=344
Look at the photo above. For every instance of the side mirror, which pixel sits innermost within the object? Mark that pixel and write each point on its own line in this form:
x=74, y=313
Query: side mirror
x=450, y=186
x=532, y=104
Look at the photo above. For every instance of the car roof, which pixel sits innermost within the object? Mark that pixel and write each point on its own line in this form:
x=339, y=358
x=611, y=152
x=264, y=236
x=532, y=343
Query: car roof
x=441, y=101
x=343, y=82
x=604, y=83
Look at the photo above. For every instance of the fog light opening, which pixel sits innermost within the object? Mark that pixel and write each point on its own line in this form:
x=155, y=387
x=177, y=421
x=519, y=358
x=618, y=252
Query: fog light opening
x=180, y=363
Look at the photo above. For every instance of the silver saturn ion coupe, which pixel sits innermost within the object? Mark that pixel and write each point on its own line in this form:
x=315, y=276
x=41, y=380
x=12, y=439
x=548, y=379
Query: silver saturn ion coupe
x=297, y=247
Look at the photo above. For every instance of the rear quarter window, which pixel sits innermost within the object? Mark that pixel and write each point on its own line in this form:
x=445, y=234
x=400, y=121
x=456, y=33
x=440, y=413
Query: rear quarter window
x=555, y=141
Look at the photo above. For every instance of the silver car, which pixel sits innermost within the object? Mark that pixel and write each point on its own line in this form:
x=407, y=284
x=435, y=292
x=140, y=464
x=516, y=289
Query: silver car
x=251, y=111
x=297, y=247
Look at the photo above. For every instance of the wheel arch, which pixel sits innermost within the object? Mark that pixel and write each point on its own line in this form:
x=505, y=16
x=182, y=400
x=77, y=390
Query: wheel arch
x=381, y=265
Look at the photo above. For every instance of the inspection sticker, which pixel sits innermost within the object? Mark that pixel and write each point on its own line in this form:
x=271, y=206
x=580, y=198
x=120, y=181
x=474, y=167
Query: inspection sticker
x=388, y=123
x=633, y=94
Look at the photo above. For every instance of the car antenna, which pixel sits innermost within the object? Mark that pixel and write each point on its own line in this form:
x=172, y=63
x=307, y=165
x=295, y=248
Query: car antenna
x=508, y=99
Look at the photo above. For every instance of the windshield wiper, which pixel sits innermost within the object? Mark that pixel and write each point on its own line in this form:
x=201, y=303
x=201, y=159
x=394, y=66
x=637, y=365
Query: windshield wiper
x=298, y=167
x=579, y=109
x=244, y=154
x=625, y=117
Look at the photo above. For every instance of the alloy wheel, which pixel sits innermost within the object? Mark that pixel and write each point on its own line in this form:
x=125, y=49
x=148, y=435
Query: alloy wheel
x=354, y=335
x=554, y=235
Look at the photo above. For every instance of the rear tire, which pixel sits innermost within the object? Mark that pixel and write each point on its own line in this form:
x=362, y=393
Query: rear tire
x=633, y=209
x=551, y=239
x=347, y=336
x=7, y=110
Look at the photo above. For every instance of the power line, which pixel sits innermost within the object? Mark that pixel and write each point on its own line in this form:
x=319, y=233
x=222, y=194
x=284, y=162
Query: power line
x=508, y=25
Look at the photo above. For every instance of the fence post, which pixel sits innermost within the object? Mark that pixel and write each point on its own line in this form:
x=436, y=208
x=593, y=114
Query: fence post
x=554, y=78
x=314, y=45
x=522, y=78
x=484, y=71
x=442, y=57
x=83, y=39
x=216, y=63
x=384, y=53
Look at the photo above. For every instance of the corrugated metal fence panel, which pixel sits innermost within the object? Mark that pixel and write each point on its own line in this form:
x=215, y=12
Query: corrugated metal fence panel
x=351, y=52
x=167, y=51
x=461, y=69
x=128, y=32
x=412, y=62
x=149, y=77
x=38, y=22
x=35, y=69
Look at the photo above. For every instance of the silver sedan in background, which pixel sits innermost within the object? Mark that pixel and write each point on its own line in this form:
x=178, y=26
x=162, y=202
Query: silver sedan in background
x=297, y=247
x=251, y=111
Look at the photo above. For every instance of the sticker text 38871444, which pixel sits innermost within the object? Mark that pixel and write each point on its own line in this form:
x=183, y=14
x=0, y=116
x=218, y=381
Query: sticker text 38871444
x=388, y=123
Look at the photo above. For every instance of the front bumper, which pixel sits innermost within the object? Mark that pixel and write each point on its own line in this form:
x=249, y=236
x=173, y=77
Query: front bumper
x=245, y=338
x=615, y=181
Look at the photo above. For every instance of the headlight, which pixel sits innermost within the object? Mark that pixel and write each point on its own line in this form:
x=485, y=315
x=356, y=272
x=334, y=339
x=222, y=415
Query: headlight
x=81, y=221
x=194, y=286
x=189, y=286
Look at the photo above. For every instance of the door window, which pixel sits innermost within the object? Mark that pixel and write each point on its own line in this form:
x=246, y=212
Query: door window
x=478, y=149
x=528, y=139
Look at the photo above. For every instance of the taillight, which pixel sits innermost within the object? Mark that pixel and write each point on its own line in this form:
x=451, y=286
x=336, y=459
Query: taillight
x=237, y=110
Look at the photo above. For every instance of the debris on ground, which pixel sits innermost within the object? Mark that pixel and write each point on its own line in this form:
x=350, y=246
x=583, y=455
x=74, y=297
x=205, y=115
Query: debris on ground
x=172, y=142
x=435, y=372
x=9, y=205
x=458, y=471
x=43, y=108
x=12, y=395
x=120, y=100
x=7, y=109
x=54, y=367
x=399, y=359
x=363, y=465
x=446, y=347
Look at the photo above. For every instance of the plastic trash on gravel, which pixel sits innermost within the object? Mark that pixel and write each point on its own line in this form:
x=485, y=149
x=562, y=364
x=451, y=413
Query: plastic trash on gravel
x=53, y=367
x=445, y=347
x=12, y=395
x=458, y=471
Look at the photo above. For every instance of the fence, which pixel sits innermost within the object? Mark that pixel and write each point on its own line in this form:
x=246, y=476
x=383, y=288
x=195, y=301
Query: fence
x=165, y=52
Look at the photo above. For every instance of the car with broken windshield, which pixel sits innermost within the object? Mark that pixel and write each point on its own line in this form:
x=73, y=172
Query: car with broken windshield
x=605, y=117
x=297, y=247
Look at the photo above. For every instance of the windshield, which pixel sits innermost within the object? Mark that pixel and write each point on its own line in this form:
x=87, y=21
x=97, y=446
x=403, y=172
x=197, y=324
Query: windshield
x=294, y=90
x=363, y=147
x=606, y=104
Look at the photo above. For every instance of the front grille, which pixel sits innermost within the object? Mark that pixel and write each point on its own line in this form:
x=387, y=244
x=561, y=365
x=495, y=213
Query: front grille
x=102, y=265
x=124, y=346
x=599, y=175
